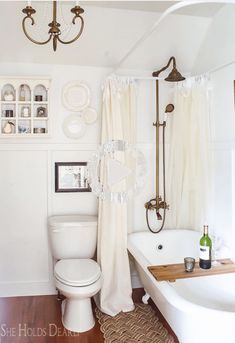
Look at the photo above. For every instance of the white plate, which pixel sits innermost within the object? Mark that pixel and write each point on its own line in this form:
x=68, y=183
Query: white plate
x=90, y=115
x=76, y=96
x=74, y=126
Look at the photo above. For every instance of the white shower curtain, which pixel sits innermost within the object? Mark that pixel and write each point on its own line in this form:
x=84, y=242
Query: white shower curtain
x=118, y=123
x=189, y=155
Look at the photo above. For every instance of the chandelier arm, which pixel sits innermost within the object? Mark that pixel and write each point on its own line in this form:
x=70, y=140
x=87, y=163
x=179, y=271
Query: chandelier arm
x=77, y=36
x=54, y=31
x=27, y=35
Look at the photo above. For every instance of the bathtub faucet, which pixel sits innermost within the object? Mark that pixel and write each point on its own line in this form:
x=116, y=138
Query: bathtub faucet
x=159, y=217
x=156, y=204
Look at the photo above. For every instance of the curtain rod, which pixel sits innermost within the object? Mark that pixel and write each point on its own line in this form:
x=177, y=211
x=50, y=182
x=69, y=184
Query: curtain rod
x=170, y=10
x=151, y=78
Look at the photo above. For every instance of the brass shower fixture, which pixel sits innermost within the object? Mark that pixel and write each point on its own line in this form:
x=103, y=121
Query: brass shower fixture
x=158, y=203
x=174, y=75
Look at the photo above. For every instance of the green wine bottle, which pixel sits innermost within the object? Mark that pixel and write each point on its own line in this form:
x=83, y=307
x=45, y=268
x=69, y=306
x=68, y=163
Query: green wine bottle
x=205, y=250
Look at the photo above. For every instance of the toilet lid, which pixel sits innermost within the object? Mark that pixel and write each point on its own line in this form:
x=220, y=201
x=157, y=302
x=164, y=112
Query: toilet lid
x=77, y=272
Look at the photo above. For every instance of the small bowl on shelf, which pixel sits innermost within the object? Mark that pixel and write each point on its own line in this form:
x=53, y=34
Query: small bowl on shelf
x=8, y=96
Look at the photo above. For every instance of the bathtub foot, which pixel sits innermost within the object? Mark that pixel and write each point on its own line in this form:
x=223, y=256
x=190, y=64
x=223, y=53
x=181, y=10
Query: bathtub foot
x=145, y=298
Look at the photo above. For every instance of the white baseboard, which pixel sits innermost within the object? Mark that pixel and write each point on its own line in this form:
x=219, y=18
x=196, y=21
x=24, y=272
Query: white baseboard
x=43, y=288
x=26, y=289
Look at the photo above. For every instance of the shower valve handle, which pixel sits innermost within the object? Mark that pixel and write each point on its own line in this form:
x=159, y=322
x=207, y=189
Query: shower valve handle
x=154, y=205
x=163, y=205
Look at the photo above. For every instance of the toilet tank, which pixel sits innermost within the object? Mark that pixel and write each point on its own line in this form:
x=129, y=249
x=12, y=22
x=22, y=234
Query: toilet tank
x=73, y=236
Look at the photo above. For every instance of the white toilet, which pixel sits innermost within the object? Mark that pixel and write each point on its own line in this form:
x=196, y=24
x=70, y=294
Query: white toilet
x=77, y=276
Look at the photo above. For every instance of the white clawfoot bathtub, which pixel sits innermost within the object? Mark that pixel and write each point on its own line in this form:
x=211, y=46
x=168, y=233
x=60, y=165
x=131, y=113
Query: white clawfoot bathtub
x=199, y=310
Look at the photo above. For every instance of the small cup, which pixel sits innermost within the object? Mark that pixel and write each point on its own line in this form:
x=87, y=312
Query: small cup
x=189, y=263
x=9, y=113
x=38, y=97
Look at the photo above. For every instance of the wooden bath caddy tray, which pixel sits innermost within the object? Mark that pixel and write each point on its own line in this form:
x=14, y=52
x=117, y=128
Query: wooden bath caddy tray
x=172, y=272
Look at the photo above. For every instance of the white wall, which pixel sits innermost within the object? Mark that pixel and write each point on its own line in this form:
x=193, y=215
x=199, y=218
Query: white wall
x=223, y=147
x=217, y=47
x=27, y=184
x=216, y=50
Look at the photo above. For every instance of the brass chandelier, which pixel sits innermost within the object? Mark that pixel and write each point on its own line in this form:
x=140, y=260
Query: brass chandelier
x=54, y=31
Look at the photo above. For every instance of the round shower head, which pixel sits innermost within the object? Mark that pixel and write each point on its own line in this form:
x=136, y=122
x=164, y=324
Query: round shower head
x=174, y=76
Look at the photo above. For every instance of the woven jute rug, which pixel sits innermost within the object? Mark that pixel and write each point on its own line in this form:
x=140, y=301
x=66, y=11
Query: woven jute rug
x=141, y=325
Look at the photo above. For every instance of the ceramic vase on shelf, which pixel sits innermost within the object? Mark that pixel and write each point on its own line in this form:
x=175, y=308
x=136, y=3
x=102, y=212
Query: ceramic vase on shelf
x=25, y=112
x=22, y=93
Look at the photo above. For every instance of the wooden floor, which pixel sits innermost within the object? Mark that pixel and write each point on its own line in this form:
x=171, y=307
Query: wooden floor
x=38, y=320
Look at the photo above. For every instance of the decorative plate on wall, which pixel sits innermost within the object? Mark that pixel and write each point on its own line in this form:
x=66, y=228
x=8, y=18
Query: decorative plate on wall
x=74, y=126
x=76, y=96
x=90, y=115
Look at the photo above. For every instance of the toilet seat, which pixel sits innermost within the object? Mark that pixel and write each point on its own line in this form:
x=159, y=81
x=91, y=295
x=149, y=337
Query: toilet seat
x=77, y=272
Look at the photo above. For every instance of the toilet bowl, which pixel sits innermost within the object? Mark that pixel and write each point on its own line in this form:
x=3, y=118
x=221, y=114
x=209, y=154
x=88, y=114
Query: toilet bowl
x=78, y=280
x=77, y=276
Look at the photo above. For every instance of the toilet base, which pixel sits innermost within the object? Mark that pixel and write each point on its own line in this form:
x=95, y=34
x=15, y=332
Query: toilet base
x=77, y=315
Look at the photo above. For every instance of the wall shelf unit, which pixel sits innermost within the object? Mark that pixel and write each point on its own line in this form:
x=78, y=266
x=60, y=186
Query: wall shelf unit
x=24, y=107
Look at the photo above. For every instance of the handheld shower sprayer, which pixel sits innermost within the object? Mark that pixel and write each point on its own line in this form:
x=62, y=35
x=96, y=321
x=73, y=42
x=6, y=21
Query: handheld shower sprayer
x=158, y=202
x=169, y=108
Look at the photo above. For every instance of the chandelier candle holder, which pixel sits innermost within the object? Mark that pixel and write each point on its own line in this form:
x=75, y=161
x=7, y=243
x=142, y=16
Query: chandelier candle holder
x=54, y=31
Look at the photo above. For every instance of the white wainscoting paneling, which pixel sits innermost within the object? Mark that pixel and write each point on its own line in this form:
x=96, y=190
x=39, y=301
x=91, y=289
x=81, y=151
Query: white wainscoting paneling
x=25, y=262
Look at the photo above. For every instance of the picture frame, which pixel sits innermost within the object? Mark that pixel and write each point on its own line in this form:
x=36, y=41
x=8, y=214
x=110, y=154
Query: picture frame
x=234, y=92
x=71, y=177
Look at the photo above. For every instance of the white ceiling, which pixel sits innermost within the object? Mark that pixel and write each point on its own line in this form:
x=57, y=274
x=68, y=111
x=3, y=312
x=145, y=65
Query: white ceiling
x=203, y=10
x=108, y=34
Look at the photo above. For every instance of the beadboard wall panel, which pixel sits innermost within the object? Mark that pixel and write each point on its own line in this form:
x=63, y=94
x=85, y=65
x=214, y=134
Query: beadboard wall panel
x=23, y=213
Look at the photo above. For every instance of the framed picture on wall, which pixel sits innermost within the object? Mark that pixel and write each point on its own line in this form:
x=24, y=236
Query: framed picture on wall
x=71, y=177
x=234, y=91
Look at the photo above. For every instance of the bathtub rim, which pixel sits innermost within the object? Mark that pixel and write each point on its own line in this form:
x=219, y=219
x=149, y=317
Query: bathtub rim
x=165, y=287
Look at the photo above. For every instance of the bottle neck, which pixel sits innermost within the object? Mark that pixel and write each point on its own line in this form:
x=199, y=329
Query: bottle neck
x=205, y=230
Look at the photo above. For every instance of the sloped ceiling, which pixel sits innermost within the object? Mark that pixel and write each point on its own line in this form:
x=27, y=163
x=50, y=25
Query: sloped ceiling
x=218, y=46
x=108, y=34
x=201, y=10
